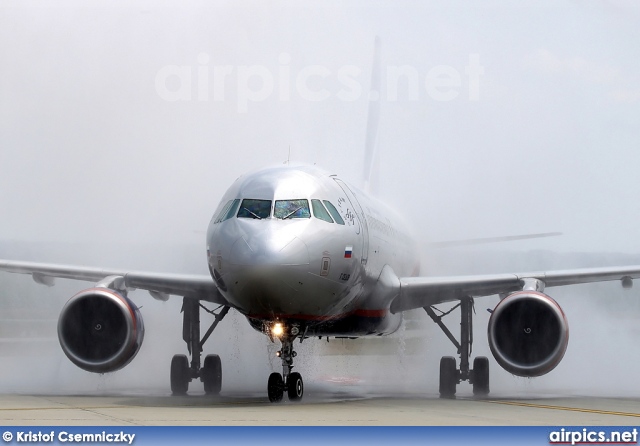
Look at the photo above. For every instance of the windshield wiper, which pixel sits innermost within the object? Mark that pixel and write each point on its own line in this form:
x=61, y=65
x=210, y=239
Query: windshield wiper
x=292, y=212
x=254, y=215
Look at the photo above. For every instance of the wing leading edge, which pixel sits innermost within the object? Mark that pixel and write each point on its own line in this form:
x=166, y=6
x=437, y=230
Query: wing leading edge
x=159, y=285
x=415, y=292
x=419, y=292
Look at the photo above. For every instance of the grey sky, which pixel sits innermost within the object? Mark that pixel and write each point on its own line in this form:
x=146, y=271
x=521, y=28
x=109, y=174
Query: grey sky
x=90, y=150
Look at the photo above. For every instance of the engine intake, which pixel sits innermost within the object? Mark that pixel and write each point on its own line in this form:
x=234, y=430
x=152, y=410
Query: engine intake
x=528, y=333
x=100, y=330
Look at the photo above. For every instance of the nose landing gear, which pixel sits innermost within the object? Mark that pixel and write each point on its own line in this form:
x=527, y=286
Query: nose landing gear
x=289, y=381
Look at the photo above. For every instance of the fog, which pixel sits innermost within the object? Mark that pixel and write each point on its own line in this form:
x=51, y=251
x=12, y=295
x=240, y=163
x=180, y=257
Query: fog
x=120, y=132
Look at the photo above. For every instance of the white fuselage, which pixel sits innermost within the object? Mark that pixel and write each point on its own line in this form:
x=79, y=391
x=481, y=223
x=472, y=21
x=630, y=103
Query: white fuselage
x=278, y=252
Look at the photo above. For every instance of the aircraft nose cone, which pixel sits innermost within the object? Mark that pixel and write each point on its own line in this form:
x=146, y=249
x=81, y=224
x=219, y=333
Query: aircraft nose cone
x=260, y=251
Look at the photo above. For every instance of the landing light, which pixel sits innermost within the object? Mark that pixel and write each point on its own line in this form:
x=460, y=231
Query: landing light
x=277, y=330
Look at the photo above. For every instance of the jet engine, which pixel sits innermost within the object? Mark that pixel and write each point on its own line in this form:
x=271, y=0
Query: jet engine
x=528, y=333
x=100, y=330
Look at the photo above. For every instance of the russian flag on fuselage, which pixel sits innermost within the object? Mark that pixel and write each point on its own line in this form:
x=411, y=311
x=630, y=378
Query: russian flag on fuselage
x=348, y=250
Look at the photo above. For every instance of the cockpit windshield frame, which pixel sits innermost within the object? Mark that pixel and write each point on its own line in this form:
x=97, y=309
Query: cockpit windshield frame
x=254, y=208
x=286, y=209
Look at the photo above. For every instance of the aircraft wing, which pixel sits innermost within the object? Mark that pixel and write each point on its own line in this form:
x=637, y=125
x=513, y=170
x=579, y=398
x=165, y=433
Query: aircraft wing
x=160, y=285
x=419, y=292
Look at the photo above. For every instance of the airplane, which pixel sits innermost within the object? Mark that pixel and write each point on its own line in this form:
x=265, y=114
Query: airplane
x=302, y=254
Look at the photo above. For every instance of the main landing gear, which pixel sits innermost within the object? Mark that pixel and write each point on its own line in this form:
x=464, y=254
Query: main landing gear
x=450, y=376
x=182, y=373
x=289, y=381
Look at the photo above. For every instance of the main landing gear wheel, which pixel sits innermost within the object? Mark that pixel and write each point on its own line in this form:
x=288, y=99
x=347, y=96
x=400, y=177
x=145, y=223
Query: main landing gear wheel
x=295, y=387
x=448, y=377
x=481, y=376
x=212, y=375
x=180, y=376
x=275, y=387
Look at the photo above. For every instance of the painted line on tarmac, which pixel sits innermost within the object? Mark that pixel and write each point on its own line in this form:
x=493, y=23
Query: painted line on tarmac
x=570, y=409
x=7, y=409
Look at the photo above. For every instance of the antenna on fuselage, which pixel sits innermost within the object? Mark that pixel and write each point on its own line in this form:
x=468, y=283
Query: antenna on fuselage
x=288, y=157
x=373, y=117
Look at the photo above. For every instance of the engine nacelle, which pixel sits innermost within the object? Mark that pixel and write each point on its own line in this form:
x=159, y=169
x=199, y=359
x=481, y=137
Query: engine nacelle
x=528, y=333
x=100, y=330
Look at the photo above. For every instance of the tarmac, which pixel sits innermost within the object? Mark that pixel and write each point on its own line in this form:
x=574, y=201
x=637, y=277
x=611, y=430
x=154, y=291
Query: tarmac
x=315, y=409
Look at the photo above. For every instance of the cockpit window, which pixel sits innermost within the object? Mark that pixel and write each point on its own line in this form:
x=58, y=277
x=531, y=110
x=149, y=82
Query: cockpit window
x=320, y=212
x=221, y=211
x=291, y=209
x=258, y=209
x=231, y=212
x=334, y=212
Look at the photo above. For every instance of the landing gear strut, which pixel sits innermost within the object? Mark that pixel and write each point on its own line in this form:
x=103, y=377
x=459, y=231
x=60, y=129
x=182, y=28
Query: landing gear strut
x=289, y=381
x=450, y=376
x=182, y=373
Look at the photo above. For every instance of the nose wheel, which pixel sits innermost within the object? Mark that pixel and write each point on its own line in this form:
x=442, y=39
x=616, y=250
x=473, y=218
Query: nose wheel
x=295, y=386
x=275, y=387
x=288, y=381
